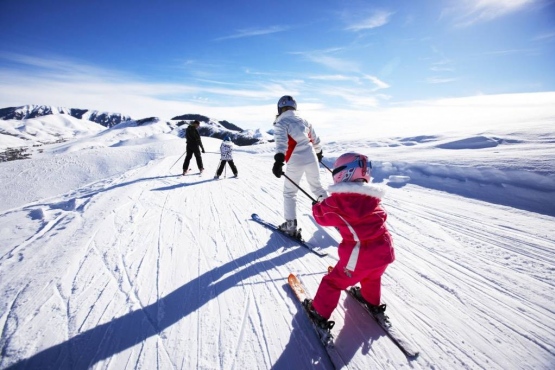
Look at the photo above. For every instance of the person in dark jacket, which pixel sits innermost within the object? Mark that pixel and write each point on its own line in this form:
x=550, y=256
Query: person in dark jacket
x=194, y=146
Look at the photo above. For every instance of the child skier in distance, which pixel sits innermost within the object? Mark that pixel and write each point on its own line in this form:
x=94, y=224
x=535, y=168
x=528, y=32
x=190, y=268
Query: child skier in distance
x=366, y=249
x=226, y=151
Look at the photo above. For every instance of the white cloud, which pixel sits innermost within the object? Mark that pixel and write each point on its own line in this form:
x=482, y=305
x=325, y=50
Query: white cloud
x=376, y=81
x=334, y=78
x=546, y=37
x=251, y=32
x=470, y=12
x=377, y=19
x=70, y=84
x=66, y=83
x=322, y=57
x=484, y=112
x=440, y=80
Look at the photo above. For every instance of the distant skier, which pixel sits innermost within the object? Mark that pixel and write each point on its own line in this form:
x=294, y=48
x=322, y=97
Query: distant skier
x=299, y=146
x=194, y=146
x=226, y=151
x=366, y=249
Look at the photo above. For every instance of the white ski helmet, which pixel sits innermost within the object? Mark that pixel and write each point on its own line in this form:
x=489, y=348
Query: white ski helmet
x=286, y=101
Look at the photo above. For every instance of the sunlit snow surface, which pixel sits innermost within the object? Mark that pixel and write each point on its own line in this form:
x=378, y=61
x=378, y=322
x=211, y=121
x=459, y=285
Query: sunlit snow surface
x=110, y=259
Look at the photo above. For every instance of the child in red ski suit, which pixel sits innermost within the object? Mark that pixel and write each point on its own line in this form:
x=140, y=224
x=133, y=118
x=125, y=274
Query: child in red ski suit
x=366, y=249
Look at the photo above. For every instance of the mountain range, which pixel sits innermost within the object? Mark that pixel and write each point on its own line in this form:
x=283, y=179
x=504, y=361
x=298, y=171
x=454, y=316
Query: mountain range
x=36, y=125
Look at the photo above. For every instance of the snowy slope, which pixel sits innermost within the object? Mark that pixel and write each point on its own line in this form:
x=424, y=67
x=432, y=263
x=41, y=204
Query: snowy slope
x=44, y=130
x=111, y=260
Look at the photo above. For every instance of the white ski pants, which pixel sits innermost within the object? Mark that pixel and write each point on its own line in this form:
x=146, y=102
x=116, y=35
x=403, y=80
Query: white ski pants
x=295, y=173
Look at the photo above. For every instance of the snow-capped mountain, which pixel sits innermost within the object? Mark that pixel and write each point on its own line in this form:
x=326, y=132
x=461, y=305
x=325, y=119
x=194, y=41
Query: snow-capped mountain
x=36, y=125
x=220, y=129
x=106, y=119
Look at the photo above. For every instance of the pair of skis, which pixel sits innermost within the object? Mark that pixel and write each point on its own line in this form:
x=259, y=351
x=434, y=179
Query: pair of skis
x=325, y=335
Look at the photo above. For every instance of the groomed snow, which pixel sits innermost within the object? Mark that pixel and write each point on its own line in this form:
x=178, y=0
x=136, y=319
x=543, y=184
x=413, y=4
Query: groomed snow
x=109, y=259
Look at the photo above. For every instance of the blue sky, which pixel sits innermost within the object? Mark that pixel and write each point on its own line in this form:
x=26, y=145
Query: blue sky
x=234, y=59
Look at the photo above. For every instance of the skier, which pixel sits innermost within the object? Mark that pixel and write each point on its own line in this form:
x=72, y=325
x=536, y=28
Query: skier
x=299, y=146
x=366, y=248
x=226, y=150
x=194, y=145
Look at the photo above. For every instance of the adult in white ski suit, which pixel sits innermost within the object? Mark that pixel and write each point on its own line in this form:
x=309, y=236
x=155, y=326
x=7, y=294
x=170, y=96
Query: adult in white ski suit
x=298, y=143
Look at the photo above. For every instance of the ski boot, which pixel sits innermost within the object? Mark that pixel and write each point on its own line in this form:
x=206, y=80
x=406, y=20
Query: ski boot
x=290, y=227
x=377, y=311
x=318, y=319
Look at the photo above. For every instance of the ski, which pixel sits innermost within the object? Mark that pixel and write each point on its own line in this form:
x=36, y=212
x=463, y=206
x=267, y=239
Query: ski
x=383, y=321
x=406, y=347
x=324, y=334
x=298, y=239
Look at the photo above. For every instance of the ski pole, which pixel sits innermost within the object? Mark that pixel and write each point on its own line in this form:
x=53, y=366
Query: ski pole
x=217, y=168
x=225, y=170
x=323, y=164
x=301, y=189
x=178, y=160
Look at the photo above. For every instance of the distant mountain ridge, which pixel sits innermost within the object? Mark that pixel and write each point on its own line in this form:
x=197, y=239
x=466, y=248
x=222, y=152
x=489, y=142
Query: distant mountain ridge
x=201, y=118
x=105, y=119
x=209, y=127
x=222, y=129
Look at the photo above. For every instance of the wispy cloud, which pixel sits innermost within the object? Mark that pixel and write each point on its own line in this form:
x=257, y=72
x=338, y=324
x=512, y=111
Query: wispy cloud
x=546, y=37
x=440, y=80
x=510, y=52
x=334, y=78
x=251, y=32
x=470, y=12
x=356, y=98
x=359, y=80
x=357, y=91
x=442, y=68
x=69, y=83
x=324, y=57
x=377, y=18
x=377, y=82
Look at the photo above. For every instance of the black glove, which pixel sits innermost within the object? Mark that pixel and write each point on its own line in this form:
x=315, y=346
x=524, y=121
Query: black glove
x=314, y=202
x=320, y=155
x=203, y=150
x=278, y=165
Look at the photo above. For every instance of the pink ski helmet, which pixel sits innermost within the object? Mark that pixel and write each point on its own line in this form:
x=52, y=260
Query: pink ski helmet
x=351, y=167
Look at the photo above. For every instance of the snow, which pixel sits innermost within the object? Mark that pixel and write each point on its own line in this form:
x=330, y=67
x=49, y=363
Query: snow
x=110, y=259
x=44, y=130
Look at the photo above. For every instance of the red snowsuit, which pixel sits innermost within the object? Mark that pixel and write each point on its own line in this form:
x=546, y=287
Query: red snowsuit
x=366, y=249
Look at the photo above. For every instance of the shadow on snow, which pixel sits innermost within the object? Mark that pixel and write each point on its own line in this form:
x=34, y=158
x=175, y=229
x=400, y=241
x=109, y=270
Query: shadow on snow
x=106, y=340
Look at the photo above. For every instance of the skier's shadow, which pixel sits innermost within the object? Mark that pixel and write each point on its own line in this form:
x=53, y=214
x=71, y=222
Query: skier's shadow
x=89, y=347
x=321, y=236
x=181, y=185
x=359, y=331
x=303, y=351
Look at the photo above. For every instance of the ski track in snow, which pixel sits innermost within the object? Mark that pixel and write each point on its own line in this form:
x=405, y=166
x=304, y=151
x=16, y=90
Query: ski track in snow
x=148, y=270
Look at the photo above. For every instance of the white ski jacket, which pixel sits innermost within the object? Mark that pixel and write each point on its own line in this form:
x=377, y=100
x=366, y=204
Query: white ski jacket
x=226, y=151
x=296, y=139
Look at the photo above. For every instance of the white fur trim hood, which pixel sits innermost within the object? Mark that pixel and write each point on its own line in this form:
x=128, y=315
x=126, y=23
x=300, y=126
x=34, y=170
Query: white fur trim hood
x=358, y=188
